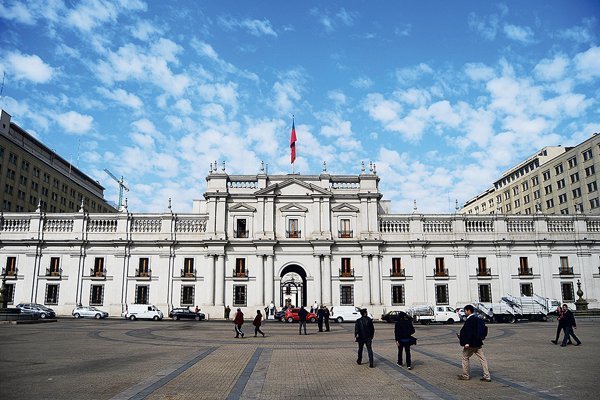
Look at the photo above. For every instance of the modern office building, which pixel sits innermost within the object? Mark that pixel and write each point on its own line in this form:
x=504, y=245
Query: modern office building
x=295, y=239
x=32, y=176
x=556, y=180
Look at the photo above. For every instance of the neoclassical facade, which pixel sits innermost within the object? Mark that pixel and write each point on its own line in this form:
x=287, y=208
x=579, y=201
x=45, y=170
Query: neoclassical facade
x=294, y=239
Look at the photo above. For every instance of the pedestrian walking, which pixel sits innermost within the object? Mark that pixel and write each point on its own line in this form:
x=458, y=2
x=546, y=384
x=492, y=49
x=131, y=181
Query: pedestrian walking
x=238, y=321
x=326, y=315
x=403, y=331
x=257, y=323
x=471, y=338
x=302, y=314
x=364, y=331
x=320, y=318
x=227, y=312
x=560, y=326
x=569, y=325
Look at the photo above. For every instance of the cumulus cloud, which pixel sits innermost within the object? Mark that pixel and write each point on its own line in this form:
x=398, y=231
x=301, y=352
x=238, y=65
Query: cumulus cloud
x=587, y=64
x=89, y=14
x=122, y=97
x=519, y=33
x=362, y=82
x=552, y=69
x=28, y=67
x=74, y=123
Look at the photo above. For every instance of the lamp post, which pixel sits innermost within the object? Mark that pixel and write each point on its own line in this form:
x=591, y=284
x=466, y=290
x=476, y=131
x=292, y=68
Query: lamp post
x=3, y=290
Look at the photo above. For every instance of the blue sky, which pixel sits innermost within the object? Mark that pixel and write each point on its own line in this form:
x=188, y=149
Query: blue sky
x=442, y=96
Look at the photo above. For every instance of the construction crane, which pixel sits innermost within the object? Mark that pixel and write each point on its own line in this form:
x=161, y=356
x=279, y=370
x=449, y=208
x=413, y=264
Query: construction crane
x=121, y=187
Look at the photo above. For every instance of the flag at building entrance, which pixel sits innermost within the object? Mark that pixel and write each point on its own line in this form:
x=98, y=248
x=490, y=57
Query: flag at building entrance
x=293, y=143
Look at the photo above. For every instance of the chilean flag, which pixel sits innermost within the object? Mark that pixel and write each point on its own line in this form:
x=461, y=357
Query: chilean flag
x=293, y=142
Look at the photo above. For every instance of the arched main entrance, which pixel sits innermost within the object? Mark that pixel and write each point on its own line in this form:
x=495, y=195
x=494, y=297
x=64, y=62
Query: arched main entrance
x=293, y=286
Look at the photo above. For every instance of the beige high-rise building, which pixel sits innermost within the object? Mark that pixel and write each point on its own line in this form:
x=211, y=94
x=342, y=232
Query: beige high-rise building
x=33, y=175
x=555, y=180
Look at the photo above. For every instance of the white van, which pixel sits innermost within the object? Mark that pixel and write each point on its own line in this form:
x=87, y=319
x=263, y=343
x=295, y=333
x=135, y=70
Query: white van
x=345, y=313
x=142, y=311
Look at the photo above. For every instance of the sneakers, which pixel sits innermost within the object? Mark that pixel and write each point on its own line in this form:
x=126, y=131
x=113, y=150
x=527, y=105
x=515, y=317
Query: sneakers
x=463, y=377
x=486, y=379
x=554, y=341
x=409, y=368
x=399, y=364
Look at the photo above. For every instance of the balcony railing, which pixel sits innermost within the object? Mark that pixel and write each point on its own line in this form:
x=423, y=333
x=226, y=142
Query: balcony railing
x=397, y=273
x=293, y=234
x=345, y=234
x=240, y=273
x=53, y=272
x=440, y=272
x=565, y=270
x=347, y=273
x=10, y=271
x=188, y=273
x=525, y=271
x=240, y=234
x=145, y=273
x=484, y=271
x=98, y=273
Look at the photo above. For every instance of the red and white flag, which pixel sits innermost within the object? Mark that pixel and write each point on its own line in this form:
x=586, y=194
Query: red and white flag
x=293, y=142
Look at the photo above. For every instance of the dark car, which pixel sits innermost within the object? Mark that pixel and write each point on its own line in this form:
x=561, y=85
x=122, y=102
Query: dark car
x=280, y=315
x=186, y=313
x=391, y=316
x=37, y=310
x=291, y=315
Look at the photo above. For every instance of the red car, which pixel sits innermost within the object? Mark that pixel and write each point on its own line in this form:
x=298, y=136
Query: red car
x=291, y=315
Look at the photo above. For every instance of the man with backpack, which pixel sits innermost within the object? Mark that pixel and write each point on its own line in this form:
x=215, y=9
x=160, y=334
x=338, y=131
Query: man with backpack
x=471, y=338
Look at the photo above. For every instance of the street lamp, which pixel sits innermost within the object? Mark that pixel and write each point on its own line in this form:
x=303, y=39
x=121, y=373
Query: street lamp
x=3, y=290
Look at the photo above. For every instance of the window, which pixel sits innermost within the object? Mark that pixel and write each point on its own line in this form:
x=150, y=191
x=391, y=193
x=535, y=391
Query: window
x=293, y=229
x=54, y=268
x=441, y=294
x=25, y=165
x=482, y=269
x=44, y=191
x=536, y=194
x=592, y=186
x=564, y=265
x=517, y=203
x=535, y=181
x=526, y=289
x=23, y=180
x=51, y=294
x=560, y=183
x=346, y=295
x=34, y=186
x=143, y=267
x=528, y=211
x=526, y=199
x=550, y=203
x=187, y=295
x=10, y=293
x=397, y=267
x=499, y=199
x=562, y=198
x=36, y=172
x=46, y=178
x=575, y=177
x=576, y=193
x=12, y=158
x=524, y=266
x=566, y=288
x=587, y=154
x=346, y=269
x=345, y=231
x=239, y=295
x=548, y=189
x=99, y=269
x=10, y=174
x=485, y=293
x=564, y=211
x=240, y=267
x=546, y=174
x=589, y=171
x=595, y=203
x=572, y=162
x=525, y=185
x=508, y=207
x=558, y=169
x=188, y=267
x=440, y=269
x=241, y=228
x=398, y=295
x=142, y=293
x=11, y=266
x=506, y=195
x=515, y=190
x=97, y=295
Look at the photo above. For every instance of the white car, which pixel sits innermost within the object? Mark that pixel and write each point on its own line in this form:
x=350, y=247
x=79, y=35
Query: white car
x=345, y=313
x=89, y=312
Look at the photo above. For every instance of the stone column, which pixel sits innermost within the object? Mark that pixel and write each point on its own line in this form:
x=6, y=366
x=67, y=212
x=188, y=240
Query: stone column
x=318, y=283
x=209, y=283
x=260, y=279
x=269, y=280
x=366, y=279
x=326, y=284
x=375, y=278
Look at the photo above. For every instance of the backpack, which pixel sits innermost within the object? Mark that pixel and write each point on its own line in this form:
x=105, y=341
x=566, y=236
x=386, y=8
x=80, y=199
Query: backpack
x=482, y=329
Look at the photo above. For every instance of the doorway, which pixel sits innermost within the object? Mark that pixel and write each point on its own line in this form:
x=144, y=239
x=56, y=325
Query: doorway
x=293, y=287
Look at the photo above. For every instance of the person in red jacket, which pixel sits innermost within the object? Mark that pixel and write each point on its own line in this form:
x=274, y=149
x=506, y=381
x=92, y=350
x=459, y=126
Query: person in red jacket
x=238, y=322
x=257, y=322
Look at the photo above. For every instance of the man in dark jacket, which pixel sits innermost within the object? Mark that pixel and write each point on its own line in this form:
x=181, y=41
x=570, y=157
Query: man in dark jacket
x=302, y=314
x=364, y=330
x=403, y=331
x=568, y=325
x=320, y=317
x=472, y=343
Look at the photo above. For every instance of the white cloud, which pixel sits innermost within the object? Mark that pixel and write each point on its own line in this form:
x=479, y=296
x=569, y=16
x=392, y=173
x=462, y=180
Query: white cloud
x=337, y=96
x=580, y=34
x=518, y=33
x=552, y=69
x=479, y=72
x=486, y=27
x=380, y=109
x=255, y=27
x=362, y=83
x=144, y=30
x=89, y=14
x=122, y=97
x=28, y=67
x=587, y=64
x=73, y=122
x=412, y=74
x=17, y=12
x=184, y=106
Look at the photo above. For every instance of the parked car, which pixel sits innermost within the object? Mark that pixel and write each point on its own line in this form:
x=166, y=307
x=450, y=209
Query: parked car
x=88, y=312
x=39, y=310
x=291, y=315
x=142, y=311
x=280, y=315
x=346, y=313
x=391, y=316
x=186, y=313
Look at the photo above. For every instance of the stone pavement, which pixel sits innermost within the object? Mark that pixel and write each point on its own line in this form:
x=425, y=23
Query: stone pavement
x=118, y=359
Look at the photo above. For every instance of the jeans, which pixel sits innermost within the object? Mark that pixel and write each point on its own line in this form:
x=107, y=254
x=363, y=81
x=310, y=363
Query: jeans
x=300, y=325
x=361, y=345
x=406, y=347
x=569, y=333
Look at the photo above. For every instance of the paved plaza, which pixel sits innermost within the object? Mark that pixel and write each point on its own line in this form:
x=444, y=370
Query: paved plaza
x=118, y=359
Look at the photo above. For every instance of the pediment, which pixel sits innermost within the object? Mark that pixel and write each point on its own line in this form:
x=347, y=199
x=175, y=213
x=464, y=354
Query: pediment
x=293, y=187
x=241, y=207
x=293, y=208
x=345, y=207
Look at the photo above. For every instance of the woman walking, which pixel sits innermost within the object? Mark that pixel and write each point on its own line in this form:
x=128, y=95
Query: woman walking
x=238, y=322
x=403, y=332
x=257, y=322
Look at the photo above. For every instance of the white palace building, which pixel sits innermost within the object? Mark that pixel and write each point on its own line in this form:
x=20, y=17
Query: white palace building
x=257, y=239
